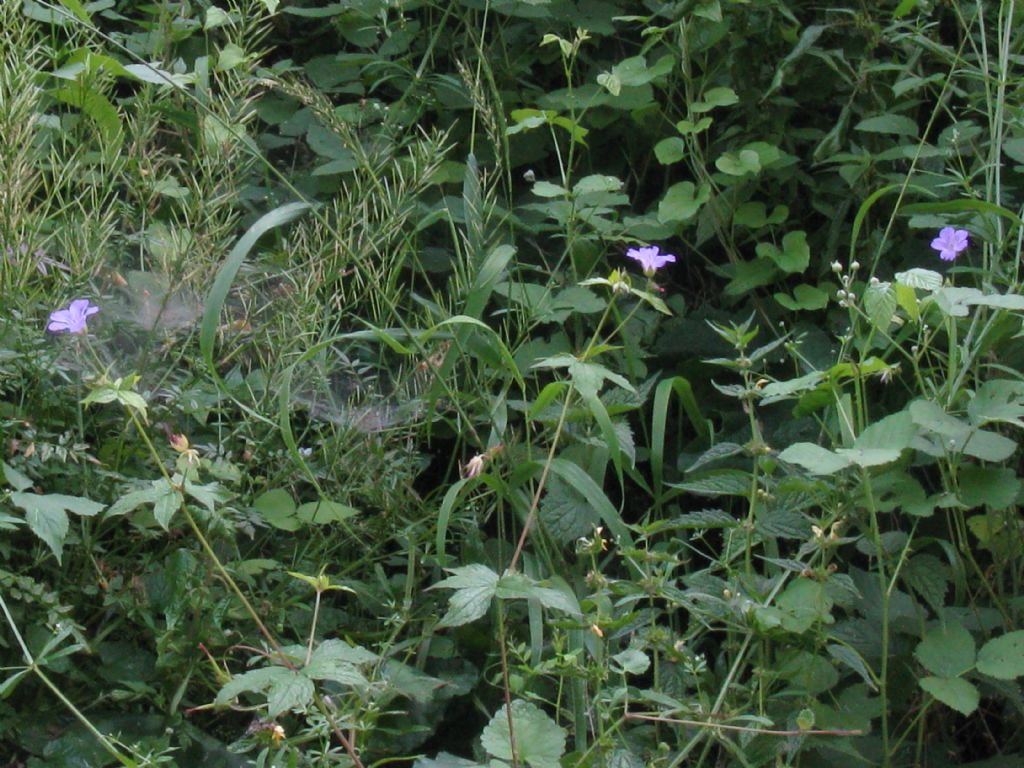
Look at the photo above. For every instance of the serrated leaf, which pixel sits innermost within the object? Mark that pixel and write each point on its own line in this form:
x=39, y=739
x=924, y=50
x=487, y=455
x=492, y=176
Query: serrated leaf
x=955, y=692
x=540, y=742
x=705, y=518
x=928, y=577
x=717, y=482
x=947, y=650
x=565, y=513
x=1003, y=657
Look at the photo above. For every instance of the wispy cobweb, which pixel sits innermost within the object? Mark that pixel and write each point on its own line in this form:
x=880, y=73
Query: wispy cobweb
x=146, y=301
x=351, y=393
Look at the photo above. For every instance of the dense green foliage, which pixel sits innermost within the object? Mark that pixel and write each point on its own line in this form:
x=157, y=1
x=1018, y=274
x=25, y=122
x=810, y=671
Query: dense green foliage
x=381, y=449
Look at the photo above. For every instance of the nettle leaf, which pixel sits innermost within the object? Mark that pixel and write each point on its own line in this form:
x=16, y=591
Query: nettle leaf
x=947, y=650
x=47, y=515
x=540, y=741
x=929, y=577
x=474, y=587
x=955, y=692
x=717, y=482
x=1003, y=657
x=565, y=512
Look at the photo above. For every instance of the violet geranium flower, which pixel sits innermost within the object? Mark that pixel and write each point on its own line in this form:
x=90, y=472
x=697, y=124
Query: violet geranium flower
x=650, y=258
x=950, y=243
x=73, y=318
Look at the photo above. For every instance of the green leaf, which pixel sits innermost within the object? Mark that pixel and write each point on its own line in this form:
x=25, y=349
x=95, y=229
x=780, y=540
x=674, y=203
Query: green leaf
x=880, y=304
x=17, y=480
x=804, y=603
x=631, y=661
x=715, y=97
x=741, y=163
x=955, y=692
x=547, y=189
x=474, y=587
x=277, y=508
x=324, y=511
x=996, y=487
x=670, y=150
x=924, y=279
x=333, y=660
x=805, y=297
x=167, y=503
x=46, y=515
x=947, y=650
x=540, y=742
x=230, y=56
x=852, y=659
x=929, y=577
x=1003, y=657
x=794, y=256
x=897, y=430
x=1000, y=400
x=682, y=201
x=565, y=513
x=814, y=458
x=897, y=125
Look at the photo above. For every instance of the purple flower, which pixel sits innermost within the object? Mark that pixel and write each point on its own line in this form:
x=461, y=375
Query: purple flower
x=650, y=258
x=950, y=242
x=73, y=318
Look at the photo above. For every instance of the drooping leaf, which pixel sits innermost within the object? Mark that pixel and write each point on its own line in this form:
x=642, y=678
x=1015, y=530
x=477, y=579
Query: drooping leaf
x=47, y=515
